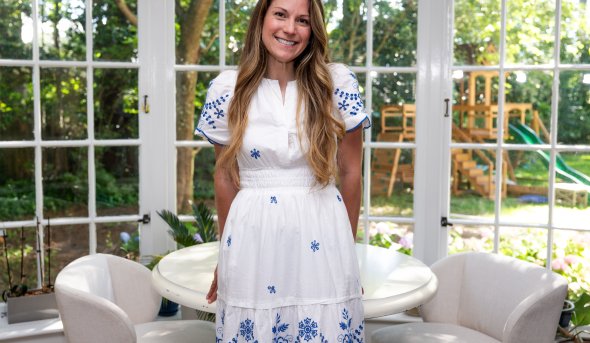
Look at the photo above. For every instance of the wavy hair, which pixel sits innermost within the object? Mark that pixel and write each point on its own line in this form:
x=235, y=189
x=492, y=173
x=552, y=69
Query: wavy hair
x=315, y=88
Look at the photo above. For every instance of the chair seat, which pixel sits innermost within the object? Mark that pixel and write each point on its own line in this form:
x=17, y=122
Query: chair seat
x=429, y=333
x=195, y=331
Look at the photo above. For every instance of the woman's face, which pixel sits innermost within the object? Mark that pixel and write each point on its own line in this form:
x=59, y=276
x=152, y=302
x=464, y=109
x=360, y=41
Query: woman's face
x=286, y=29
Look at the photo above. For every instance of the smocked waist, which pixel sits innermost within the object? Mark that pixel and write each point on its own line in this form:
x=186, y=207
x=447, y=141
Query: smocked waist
x=268, y=178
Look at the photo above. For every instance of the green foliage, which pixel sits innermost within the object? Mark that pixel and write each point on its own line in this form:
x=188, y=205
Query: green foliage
x=186, y=234
x=582, y=310
x=130, y=245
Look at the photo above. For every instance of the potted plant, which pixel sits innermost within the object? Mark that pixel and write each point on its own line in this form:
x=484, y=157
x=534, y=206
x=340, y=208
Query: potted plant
x=575, y=315
x=23, y=304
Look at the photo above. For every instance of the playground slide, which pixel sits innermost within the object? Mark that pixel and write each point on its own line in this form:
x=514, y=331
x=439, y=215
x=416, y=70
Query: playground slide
x=529, y=136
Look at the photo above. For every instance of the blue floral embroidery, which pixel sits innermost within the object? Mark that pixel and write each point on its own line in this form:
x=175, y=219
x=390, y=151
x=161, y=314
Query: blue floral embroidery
x=229, y=240
x=350, y=335
x=308, y=329
x=339, y=198
x=273, y=199
x=255, y=154
x=247, y=330
x=212, y=110
x=347, y=99
x=271, y=289
x=315, y=246
x=279, y=329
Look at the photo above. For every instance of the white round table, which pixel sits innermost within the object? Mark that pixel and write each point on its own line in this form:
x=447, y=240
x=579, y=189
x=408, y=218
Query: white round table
x=393, y=282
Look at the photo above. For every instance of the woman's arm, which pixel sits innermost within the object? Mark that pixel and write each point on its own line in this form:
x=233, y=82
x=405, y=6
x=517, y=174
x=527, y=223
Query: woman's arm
x=350, y=152
x=225, y=192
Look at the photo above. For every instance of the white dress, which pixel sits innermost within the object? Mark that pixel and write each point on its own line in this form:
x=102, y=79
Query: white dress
x=287, y=269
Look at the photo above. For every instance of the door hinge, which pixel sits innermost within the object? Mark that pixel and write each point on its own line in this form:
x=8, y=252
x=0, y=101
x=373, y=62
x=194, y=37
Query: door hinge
x=145, y=219
x=444, y=222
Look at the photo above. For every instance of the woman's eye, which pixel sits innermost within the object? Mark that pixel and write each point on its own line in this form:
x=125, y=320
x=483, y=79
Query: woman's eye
x=280, y=14
x=304, y=21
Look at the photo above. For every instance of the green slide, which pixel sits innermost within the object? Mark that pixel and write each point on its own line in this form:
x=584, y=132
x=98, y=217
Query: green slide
x=529, y=136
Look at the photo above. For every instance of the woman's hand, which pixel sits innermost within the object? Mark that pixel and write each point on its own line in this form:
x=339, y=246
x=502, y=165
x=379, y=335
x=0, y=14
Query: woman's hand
x=212, y=295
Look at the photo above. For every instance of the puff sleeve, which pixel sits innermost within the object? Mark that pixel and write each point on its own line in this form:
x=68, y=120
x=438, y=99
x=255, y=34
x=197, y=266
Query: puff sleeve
x=213, y=121
x=347, y=98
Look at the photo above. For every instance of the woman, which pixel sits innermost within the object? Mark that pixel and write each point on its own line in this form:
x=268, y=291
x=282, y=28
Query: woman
x=285, y=125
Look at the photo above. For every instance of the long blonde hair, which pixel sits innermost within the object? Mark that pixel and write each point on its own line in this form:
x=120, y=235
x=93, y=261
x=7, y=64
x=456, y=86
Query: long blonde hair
x=314, y=85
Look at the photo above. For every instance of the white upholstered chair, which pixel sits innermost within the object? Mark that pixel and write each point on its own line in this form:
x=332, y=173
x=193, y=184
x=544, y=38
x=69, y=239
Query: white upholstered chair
x=486, y=298
x=105, y=298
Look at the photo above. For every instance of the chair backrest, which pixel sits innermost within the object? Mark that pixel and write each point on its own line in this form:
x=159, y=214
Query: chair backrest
x=101, y=297
x=505, y=298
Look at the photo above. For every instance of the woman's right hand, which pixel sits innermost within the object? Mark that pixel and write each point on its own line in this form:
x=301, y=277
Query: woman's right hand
x=212, y=295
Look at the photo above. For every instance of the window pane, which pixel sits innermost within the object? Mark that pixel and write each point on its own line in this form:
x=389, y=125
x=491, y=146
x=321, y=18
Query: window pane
x=17, y=239
x=63, y=103
x=575, y=31
x=394, y=104
x=530, y=31
x=117, y=180
x=395, y=31
x=115, y=104
x=65, y=182
x=114, y=29
x=528, y=175
x=463, y=238
x=16, y=26
x=17, y=184
x=237, y=17
x=68, y=242
x=191, y=93
x=392, y=182
x=477, y=32
x=390, y=235
x=193, y=47
x=200, y=187
x=527, y=244
x=574, y=107
x=570, y=259
x=347, y=31
x=571, y=190
x=62, y=30
x=16, y=103
x=121, y=239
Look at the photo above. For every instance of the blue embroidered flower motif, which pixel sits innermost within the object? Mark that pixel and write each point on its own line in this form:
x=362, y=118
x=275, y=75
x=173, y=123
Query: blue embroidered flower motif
x=213, y=108
x=343, y=106
x=315, y=246
x=228, y=240
x=350, y=335
x=255, y=154
x=279, y=329
x=357, y=103
x=271, y=289
x=273, y=199
x=247, y=330
x=308, y=329
x=339, y=198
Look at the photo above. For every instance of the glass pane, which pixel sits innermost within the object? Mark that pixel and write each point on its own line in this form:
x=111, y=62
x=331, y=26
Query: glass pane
x=347, y=31
x=17, y=240
x=68, y=243
x=114, y=30
x=117, y=180
x=65, y=182
x=575, y=26
x=16, y=103
x=574, y=107
x=237, y=16
x=394, y=104
x=570, y=259
x=17, y=184
x=571, y=190
x=63, y=103
x=527, y=244
x=527, y=186
x=121, y=239
x=191, y=92
x=16, y=26
x=192, y=16
x=477, y=32
x=392, y=182
x=395, y=31
x=199, y=188
x=63, y=35
x=390, y=235
x=463, y=238
x=475, y=106
x=472, y=182
x=528, y=107
x=530, y=31
x=115, y=104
